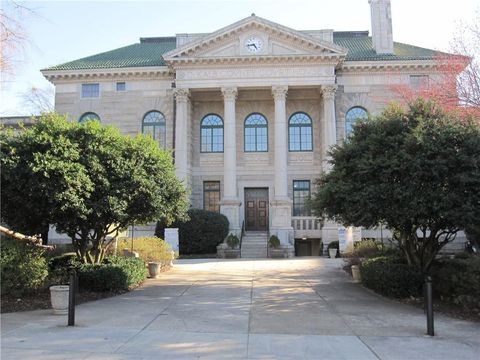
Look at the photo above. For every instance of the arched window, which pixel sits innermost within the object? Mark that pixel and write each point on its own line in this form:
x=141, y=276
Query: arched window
x=89, y=116
x=211, y=133
x=300, y=132
x=353, y=115
x=256, y=133
x=153, y=124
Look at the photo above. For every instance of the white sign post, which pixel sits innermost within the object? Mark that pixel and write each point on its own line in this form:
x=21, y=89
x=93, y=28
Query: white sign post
x=171, y=237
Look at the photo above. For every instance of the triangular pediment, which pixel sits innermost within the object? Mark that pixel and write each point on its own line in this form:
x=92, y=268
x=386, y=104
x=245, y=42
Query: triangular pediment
x=254, y=37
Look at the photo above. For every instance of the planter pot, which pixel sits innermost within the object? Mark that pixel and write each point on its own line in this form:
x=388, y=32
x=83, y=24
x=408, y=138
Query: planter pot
x=154, y=269
x=356, y=273
x=332, y=253
x=232, y=253
x=277, y=253
x=59, y=299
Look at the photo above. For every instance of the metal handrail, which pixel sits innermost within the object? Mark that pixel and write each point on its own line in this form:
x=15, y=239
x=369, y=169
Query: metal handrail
x=242, y=232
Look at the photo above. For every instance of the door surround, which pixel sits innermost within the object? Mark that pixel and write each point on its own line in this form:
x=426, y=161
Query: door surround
x=256, y=208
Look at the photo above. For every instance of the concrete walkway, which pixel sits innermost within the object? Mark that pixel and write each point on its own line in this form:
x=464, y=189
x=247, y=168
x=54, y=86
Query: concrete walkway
x=304, y=308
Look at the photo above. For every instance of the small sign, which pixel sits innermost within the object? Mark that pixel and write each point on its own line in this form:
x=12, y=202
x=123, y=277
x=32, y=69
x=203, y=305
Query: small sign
x=171, y=237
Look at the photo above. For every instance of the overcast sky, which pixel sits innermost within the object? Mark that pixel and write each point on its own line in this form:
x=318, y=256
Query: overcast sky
x=61, y=31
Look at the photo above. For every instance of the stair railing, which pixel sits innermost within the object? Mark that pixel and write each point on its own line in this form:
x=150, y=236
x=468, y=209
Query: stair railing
x=242, y=232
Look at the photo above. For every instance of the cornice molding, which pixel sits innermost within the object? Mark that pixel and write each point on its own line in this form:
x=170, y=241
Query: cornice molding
x=391, y=65
x=157, y=72
x=324, y=59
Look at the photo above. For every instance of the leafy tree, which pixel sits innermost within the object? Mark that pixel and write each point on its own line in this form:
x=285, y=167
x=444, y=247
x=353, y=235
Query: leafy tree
x=88, y=180
x=415, y=170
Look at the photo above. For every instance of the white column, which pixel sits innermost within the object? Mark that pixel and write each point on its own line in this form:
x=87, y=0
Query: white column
x=280, y=95
x=330, y=228
x=230, y=204
x=281, y=205
x=181, y=146
x=230, y=141
x=329, y=129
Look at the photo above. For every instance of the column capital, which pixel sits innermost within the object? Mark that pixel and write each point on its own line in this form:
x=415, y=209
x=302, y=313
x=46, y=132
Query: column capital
x=229, y=93
x=181, y=94
x=279, y=92
x=328, y=91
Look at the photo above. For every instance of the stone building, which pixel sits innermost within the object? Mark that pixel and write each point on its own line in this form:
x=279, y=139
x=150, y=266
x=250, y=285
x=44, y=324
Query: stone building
x=249, y=110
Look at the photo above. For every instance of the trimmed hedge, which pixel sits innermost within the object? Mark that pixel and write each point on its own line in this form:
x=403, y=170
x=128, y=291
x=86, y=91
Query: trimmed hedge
x=117, y=273
x=149, y=248
x=201, y=234
x=458, y=280
x=23, y=267
x=390, y=277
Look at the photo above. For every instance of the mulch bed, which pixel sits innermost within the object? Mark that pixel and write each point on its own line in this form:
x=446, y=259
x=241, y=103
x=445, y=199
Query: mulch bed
x=455, y=311
x=41, y=300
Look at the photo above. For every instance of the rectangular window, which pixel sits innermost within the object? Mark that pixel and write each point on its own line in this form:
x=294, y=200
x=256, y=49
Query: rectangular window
x=90, y=90
x=211, y=196
x=301, y=193
x=121, y=86
x=418, y=81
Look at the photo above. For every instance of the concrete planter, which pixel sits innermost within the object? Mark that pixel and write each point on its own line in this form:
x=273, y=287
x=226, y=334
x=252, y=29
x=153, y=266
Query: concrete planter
x=59, y=299
x=278, y=253
x=154, y=269
x=357, y=277
x=332, y=253
x=232, y=253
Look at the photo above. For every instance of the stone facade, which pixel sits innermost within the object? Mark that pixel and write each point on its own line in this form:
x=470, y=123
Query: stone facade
x=286, y=72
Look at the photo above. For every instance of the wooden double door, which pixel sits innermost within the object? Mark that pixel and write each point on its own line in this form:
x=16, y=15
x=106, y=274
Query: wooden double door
x=256, y=209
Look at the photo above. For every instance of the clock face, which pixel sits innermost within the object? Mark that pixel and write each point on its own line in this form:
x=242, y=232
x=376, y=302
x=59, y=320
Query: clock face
x=253, y=44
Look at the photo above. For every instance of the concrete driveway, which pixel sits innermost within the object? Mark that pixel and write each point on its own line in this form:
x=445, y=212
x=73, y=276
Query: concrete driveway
x=304, y=308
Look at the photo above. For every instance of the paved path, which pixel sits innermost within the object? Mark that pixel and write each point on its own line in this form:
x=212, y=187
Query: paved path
x=305, y=308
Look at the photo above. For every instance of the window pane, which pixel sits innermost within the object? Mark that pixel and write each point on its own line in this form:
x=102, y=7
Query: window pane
x=90, y=116
x=120, y=86
x=306, y=138
x=301, y=193
x=211, y=133
x=90, y=90
x=211, y=195
x=256, y=133
x=153, y=124
x=300, y=130
x=353, y=115
x=250, y=139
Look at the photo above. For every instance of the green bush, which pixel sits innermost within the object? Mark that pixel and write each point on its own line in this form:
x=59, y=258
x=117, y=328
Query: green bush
x=201, y=234
x=59, y=268
x=116, y=273
x=149, y=248
x=458, y=280
x=274, y=242
x=389, y=277
x=23, y=267
x=232, y=241
x=367, y=248
x=333, y=245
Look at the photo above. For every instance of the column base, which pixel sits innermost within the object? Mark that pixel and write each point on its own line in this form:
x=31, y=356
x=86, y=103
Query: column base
x=230, y=207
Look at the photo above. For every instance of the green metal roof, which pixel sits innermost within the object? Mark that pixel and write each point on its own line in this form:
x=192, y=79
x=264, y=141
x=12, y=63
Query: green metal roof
x=150, y=50
x=360, y=48
x=146, y=53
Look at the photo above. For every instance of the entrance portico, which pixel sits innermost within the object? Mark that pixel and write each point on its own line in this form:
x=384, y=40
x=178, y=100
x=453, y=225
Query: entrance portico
x=282, y=65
